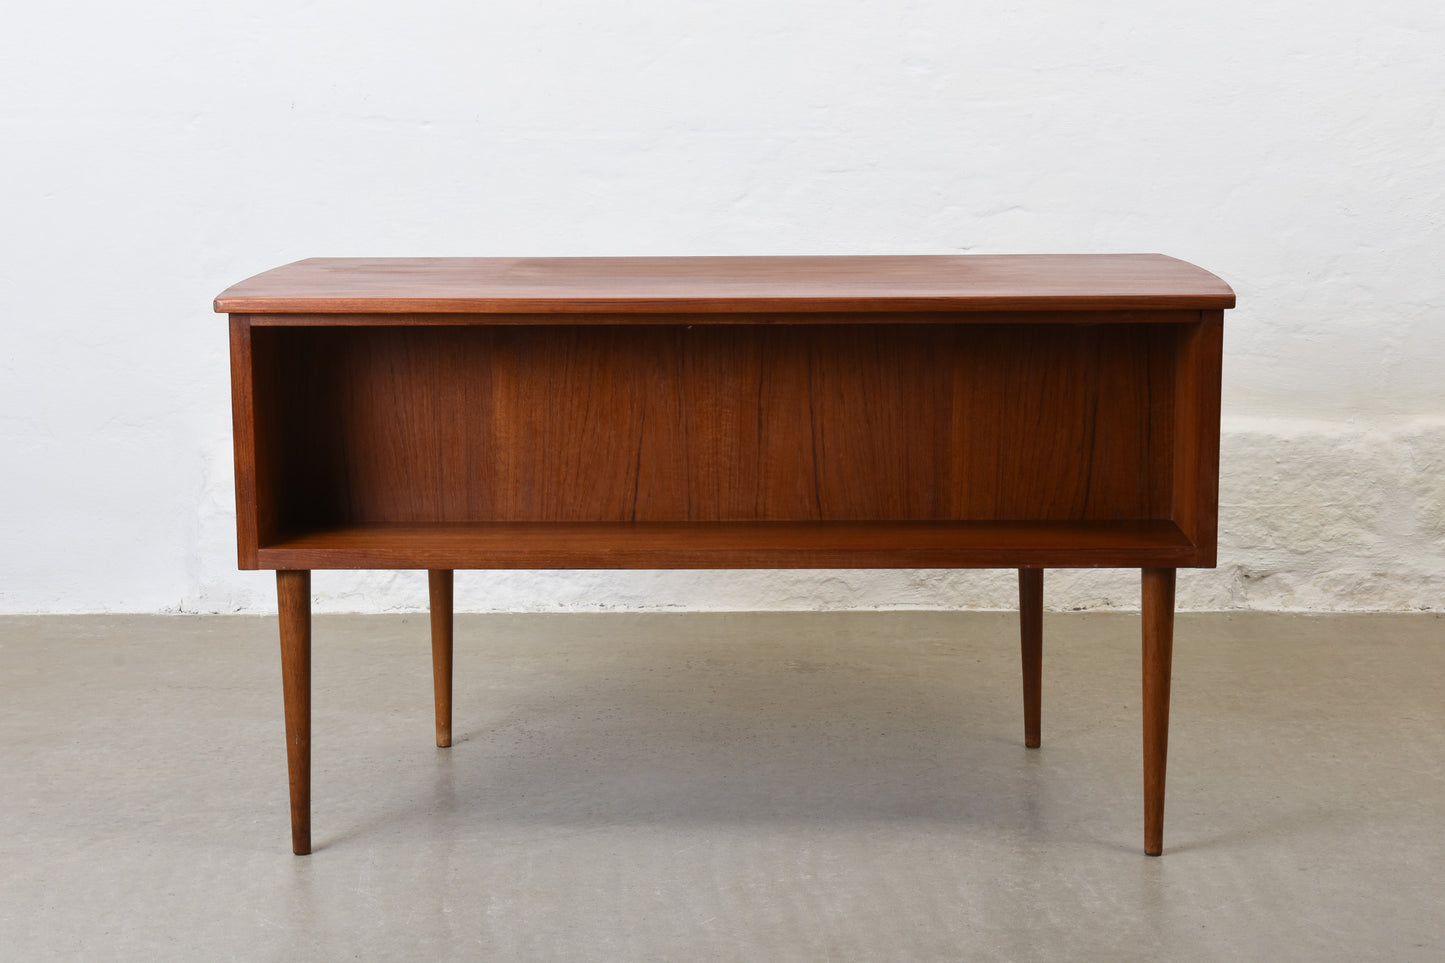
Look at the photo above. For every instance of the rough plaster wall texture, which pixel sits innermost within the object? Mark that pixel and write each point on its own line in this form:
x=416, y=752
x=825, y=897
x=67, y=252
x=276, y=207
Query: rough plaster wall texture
x=156, y=152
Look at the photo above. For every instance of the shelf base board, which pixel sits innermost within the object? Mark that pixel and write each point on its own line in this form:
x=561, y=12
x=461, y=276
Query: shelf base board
x=725, y=545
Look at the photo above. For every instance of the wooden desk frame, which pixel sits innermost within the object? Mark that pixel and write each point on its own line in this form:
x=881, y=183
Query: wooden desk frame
x=1027, y=412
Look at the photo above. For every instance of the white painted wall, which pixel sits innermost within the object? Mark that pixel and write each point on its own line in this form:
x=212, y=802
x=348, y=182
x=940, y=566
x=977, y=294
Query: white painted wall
x=152, y=153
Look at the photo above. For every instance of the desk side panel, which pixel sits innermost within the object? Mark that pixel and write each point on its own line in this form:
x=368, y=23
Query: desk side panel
x=1196, y=446
x=258, y=394
x=243, y=435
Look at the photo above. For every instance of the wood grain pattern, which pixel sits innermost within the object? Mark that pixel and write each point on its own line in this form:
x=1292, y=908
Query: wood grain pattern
x=1069, y=282
x=293, y=598
x=259, y=409
x=439, y=589
x=1031, y=650
x=453, y=319
x=603, y=545
x=1158, y=654
x=619, y=424
x=250, y=532
x=866, y=412
x=1199, y=360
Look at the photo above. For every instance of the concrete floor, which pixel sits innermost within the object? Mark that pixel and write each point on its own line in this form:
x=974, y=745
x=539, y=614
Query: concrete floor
x=722, y=787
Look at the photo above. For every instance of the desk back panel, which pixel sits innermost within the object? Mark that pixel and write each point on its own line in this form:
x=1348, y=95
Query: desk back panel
x=705, y=423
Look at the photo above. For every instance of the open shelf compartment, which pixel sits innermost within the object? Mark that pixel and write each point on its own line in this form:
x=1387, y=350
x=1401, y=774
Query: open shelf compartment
x=726, y=446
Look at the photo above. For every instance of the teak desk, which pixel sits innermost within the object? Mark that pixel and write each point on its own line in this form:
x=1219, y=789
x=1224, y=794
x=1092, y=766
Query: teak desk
x=790, y=412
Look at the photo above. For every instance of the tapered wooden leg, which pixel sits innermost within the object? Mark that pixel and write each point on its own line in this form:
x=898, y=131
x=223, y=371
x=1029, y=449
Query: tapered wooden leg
x=1158, y=606
x=293, y=597
x=1031, y=636
x=440, y=584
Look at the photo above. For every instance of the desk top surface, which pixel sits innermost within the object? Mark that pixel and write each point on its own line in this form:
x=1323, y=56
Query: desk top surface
x=605, y=285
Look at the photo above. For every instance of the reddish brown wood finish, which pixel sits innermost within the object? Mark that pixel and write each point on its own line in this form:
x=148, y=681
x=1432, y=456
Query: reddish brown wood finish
x=293, y=598
x=902, y=544
x=439, y=585
x=412, y=426
x=256, y=400
x=1195, y=506
x=1158, y=654
x=1023, y=412
x=639, y=285
x=453, y=319
x=243, y=434
x=1031, y=649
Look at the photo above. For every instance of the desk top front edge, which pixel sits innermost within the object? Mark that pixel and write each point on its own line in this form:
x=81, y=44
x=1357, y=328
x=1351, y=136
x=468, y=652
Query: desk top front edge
x=730, y=285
